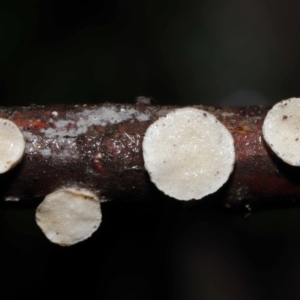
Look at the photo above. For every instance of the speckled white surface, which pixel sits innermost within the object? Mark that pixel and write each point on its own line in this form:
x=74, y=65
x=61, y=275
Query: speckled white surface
x=281, y=130
x=188, y=153
x=75, y=125
x=69, y=215
x=12, y=145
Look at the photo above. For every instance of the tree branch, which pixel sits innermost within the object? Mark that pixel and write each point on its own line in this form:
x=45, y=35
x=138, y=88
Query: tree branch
x=99, y=147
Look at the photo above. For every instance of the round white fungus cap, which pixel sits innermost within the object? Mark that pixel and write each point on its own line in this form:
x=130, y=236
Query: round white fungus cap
x=188, y=153
x=12, y=145
x=281, y=130
x=68, y=216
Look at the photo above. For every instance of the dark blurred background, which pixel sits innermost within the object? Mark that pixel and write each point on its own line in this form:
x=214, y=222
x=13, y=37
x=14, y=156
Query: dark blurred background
x=224, y=52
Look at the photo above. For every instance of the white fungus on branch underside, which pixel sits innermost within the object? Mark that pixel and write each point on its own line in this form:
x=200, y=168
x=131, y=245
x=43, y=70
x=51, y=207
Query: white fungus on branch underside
x=188, y=153
x=69, y=215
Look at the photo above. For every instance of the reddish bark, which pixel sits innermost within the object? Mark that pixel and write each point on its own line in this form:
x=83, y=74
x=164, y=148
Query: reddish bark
x=100, y=147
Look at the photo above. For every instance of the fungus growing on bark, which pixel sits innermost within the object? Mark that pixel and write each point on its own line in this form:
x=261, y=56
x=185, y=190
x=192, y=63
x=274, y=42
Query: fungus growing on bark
x=281, y=130
x=69, y=215
x=12, y=145
x=188, y=153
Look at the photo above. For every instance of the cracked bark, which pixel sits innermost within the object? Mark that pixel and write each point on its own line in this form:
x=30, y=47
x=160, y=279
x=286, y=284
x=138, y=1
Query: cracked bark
x=99, y=147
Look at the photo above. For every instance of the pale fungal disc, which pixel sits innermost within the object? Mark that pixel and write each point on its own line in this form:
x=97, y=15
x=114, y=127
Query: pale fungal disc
x=188, y=153
x=12, y=145
x=281, y=130
x=69, y=215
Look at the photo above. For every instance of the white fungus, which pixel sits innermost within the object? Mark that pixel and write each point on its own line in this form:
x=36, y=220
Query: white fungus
x=12, y=145
x=281, y=130
x=69, y=215
x=188, y=153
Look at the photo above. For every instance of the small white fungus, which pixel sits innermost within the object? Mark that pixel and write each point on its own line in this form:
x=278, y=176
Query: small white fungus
x=281, y=130
x=69, y=215
x=188, y=153
x=12, y=145
x=54, y=114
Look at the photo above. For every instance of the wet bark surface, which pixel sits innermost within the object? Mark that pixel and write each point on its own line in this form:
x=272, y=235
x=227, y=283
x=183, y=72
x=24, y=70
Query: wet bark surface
x=99, y=147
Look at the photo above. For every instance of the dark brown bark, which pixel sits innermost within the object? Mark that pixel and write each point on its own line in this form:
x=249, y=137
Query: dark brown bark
x=100, y=147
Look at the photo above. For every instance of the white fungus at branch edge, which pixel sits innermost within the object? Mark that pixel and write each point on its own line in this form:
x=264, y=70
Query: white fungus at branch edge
x=188, y=153
x=12, y=145
x=69, y=215
x=281, y=130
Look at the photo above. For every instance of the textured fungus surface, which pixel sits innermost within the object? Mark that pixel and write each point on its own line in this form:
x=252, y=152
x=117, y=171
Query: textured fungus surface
x=69, y=215
x=188, y=153
x=281, y=130
x=12, y=145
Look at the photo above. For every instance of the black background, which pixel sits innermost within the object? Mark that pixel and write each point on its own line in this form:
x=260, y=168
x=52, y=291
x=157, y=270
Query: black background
x=209, y=52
